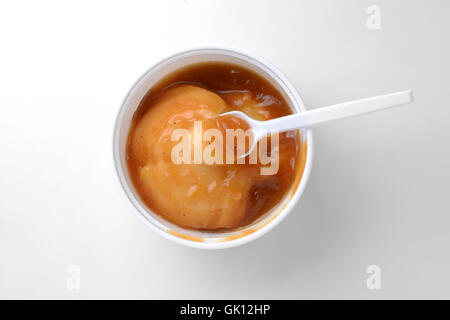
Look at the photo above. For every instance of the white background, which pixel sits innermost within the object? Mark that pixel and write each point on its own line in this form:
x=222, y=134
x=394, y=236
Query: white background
x=378, y=193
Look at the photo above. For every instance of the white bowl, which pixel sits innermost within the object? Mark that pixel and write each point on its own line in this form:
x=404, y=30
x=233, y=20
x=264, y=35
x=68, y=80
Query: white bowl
x=205, y=239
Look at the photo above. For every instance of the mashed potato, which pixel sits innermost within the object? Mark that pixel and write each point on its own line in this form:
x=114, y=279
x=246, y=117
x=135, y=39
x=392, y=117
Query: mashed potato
x=201, y=196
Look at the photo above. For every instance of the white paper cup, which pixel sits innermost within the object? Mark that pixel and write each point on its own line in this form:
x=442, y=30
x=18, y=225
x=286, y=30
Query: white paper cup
x=205, y=239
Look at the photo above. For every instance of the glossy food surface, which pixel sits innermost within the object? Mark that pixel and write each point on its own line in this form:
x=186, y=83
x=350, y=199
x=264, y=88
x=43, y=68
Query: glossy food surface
x=208, y=195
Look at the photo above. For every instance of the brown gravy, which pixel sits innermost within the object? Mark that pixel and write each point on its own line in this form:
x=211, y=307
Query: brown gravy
x=200, y=196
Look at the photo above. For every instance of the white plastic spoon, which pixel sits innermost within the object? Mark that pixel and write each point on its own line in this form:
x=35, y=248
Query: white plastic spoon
x=310, y=118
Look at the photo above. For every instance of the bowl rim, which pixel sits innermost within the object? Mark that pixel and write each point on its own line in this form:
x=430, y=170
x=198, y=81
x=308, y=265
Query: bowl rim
x=134, y=203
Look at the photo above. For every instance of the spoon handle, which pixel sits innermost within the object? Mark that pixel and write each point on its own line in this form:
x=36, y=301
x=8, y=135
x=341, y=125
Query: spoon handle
x=338, y=111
